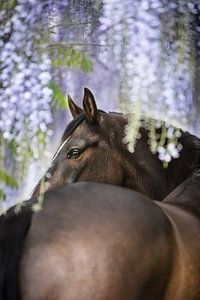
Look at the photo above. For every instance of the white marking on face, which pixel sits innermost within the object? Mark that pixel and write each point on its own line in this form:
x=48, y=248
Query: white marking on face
x=60, y=148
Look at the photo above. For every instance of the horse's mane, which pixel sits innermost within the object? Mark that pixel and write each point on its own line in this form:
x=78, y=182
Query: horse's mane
x=72, y=126
x=193, y=145
x=115, y=113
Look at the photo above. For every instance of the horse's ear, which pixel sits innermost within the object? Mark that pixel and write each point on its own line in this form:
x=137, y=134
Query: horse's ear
x=90, y=106
x=74, y=109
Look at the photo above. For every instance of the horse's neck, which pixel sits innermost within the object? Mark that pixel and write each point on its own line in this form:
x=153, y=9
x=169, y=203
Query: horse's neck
x=144, y=173
x=187, y=195
x=157, y=181
x=149, y=176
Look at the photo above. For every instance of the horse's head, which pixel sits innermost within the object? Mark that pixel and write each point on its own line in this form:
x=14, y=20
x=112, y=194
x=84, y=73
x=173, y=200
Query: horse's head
x=91, y=149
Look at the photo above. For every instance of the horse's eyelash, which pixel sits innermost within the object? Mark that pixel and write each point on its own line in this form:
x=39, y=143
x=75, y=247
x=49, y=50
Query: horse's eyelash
x=93, y=144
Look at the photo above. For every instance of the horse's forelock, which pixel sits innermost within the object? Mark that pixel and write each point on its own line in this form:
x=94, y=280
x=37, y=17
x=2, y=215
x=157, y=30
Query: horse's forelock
x=72, y=126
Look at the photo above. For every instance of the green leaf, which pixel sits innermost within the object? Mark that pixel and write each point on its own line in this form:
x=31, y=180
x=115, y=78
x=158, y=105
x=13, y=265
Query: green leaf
x=58, y=96
x=13, y=3
x=71, y=58
x=86, y=65
x=2, y=195
x=13, y=147
x=7, y=179
x=10, y=4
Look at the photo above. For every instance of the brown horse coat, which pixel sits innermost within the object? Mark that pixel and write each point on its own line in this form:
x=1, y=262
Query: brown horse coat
x=94, y=241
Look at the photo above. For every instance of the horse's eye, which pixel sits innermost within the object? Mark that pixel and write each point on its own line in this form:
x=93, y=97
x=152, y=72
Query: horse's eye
x=73, y=153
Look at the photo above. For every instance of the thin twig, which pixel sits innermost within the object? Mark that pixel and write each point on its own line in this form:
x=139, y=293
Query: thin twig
x=71, y=24
x=69, y=45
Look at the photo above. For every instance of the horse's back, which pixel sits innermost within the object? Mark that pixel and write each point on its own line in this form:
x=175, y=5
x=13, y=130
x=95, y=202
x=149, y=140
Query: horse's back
x=95, y=241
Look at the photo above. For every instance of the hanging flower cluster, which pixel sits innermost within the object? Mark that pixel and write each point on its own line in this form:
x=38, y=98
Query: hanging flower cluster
x=25, y=96
x=151, y=46
x=25, y=75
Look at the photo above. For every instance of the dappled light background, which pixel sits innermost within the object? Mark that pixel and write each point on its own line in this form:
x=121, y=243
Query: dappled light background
x=139, y=57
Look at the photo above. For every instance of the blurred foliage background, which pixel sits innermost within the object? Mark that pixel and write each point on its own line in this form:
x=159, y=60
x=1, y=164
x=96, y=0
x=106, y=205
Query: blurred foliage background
x=140, y=57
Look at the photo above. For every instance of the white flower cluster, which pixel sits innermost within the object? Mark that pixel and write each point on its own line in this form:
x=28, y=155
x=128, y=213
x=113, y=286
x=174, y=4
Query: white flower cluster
x=25, y=74
x=169, y=152
x=153, y=50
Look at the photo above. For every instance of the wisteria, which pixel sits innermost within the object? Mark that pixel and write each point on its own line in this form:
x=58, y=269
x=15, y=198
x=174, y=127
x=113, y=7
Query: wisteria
x=153, y=51
x=25, y=112
x=25, y=75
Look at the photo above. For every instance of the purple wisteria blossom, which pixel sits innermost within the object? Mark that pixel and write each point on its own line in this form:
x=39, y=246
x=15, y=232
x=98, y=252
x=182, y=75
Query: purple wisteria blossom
x=152, y=49
x=25, y=96
x=25, y=112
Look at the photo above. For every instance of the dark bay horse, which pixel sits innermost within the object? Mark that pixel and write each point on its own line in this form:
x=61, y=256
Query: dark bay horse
x=94, y=241
x=92, y=150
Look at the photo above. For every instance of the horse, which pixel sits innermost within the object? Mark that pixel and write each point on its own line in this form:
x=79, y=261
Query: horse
x=94, y=241
x=91, y=149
